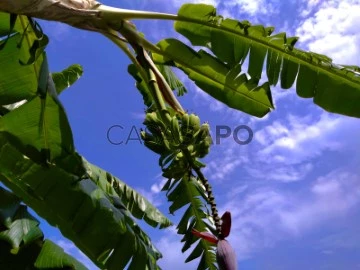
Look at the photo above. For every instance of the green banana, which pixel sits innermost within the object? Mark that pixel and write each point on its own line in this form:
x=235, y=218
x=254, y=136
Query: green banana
x=179, y=156
x=157, y=128
x=203, y=148
x=185, y=130
x=155, y=147
x=154, y=143
x=153, y=119
x=185, y=123
x=202, y=141
x=175, y=131
x=153, y=123
x=202, y=133
x=190, y=124
x=191, y=149
x=194, y=122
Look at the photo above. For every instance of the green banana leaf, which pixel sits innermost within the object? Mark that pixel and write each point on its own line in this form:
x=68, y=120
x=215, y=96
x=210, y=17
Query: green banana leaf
x=22, y=244
x=67, y=77
x=190, y=193
x=121, y=193
x=17, y=49
x=41, y=130
x=216, y=78
x=39, y=164
x=335, y=88
x=185, y=191
x=83, y=212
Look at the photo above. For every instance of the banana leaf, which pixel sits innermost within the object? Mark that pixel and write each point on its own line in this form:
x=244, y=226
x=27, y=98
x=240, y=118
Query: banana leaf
x=335, y=88
x=22, y=243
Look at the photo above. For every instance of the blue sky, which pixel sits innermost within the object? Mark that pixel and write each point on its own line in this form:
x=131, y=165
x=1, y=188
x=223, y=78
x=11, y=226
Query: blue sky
x=294, y=191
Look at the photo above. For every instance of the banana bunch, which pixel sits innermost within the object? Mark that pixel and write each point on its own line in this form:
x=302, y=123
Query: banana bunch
x=196, y=137
x=183, y=132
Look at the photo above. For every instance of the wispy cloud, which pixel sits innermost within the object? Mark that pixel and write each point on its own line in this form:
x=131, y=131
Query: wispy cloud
x=280, y=151
x=282, y=173
x=287, y=140
x=226, y=157
x=266, y=216
x=253, y=7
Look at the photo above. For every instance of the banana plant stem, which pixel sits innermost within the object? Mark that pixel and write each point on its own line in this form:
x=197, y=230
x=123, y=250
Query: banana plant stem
x=145, y=72
x=112, y=35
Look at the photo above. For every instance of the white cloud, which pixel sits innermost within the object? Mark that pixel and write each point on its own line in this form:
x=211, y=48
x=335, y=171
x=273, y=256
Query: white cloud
x=331, y=197
x=275, y=130
x=252, y=7
x=289, y=149
x=266, y=216
x=255, y=220
x=236, y=191
x=288, y=140
x=282, y=173
x=333, y=30
x=284, y=151
x=227, y=157
x=349, y=239
x=308, y=7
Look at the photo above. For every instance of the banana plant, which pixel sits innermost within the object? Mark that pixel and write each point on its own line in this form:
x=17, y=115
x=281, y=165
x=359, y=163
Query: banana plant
x=38, y=162
x=178, y=137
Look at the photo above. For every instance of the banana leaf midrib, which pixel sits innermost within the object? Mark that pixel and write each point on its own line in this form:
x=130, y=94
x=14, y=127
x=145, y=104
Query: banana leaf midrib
x=25, y=32
x=193, y=68
x=24, y=28
x=43, y=124
x=266, y=44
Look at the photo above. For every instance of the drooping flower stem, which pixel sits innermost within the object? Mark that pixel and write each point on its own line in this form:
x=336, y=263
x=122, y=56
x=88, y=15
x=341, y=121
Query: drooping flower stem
x=211, y=197
x=208, y=189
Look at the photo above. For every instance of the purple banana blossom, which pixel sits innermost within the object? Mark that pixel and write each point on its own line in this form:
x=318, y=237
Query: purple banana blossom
x=225, y=254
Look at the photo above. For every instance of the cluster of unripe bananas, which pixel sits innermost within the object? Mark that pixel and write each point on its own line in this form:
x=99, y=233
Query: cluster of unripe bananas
x=183, y=135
